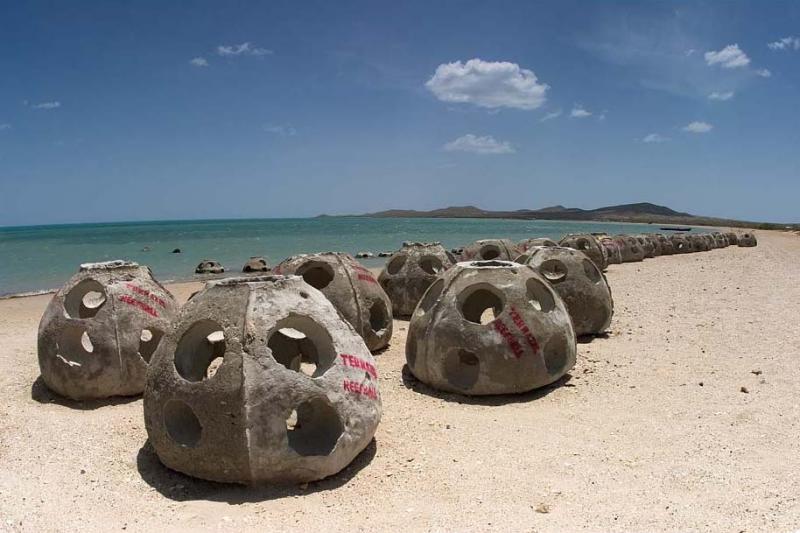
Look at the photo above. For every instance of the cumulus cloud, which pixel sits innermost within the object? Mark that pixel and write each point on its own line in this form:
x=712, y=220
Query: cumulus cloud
x=655, y=138
x=698, y=127
x=729, y=57
x=787, y=43
x=579, y=112
x=198, y=62
x=551, y=116
x=479, y=145
x=47, y=105
x=764, y=73
x=244, y=49
x=279, y=129
x=721, y=96
x=490, y=84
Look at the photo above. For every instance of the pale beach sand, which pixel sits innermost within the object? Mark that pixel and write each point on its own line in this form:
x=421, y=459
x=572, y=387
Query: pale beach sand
x=651, y=433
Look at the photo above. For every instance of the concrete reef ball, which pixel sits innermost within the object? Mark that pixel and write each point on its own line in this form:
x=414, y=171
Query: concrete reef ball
x=351, y=288
x=260, y=379
x=524, y=245
x=646, y=245
x=209, y=266
x=588, y=244
x=680, y=243
x=665, y=245
x=99, y=331
x=733, y=239
x=409, y=273
x=256, y=264
x=580, y=284
x=746, y=240
x=631, y=249
x=613, y=249
x=490, y=327
x=489, y=249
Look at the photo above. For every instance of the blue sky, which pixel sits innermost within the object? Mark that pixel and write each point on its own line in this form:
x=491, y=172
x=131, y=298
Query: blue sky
x=153, y=110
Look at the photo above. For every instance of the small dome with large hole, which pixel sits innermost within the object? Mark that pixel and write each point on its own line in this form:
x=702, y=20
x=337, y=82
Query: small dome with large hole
x=588, y=244
x=410, y=271
x=260, y=379
x=351, y=288
x=490, y=327
x=491, y=250
x=100, y=330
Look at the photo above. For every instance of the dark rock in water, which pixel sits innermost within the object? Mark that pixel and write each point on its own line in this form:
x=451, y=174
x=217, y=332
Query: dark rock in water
x=385, y=254
x=176, y=251
x=362, y=255
x=146, y=249
x=256, y=264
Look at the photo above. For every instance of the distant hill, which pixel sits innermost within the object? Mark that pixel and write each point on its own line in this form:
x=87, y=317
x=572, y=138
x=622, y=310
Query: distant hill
x=643, y=212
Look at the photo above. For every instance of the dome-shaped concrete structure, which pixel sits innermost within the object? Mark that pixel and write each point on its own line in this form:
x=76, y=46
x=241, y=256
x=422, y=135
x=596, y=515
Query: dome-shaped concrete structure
x=581, y=285
x=410, y=271
x=209, y=266
x=260, y=379
x=256, y=264
x=664, y=244
x=613, y=249
x=100, y=330
x=588, y=244
x=733, y=239
x=647, y=246
x=351, y=288
x=747, y=239
x=632, y=251
x=681, y=244
x=490, y=327
x=490, y=249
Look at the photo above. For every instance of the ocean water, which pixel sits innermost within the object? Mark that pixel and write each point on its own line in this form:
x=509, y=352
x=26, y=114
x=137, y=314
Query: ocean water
x=36, y=258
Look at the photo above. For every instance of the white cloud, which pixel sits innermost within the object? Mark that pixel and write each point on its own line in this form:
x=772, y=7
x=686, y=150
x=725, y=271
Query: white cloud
x=551, y=116
x=698, y=127
x=787, y=43
x=729, y=57
x=199, y=62
x=491, y=84
x=279, y=129
x=579, y=112
x=244, y=49
x=47, y=105
x=655, y=138
x=721, y=96
x=764, y=73
x=479, y=145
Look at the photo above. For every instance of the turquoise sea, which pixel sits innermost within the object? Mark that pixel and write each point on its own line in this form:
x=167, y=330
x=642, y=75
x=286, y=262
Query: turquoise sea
x=36, y=258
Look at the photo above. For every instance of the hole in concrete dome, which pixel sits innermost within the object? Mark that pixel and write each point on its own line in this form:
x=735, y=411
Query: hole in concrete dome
x=199, y=346
x=591, y=271
x=182, y=424
x=411, y=349
x=489, y=251
x=315, y=428
x=85, y=299
x=396, y=263
x=74, y=346
x=539, y=295
x=431, y=295
x=378, y=317
x=583, y=244
x=555, y=355
x=430, y=264
x=302, y=345
x=148, y=342
x=318, y=274
x=482, y=304
x=553, y=270
x=461, y=369
x=522, y=259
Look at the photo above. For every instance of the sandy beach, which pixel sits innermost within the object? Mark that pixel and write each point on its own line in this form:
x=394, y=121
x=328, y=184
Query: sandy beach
x=685, y=418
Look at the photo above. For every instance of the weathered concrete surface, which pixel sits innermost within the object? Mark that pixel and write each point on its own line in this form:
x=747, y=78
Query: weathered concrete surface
x=681, y=244
x=209, y=266
x=261, y=380
x=581, y=285
x=351, y=288
x=256, y=264
x=733, y=238
x=100, y=330
x=665, y=245
x=747, y=239
x=491, y=249
x=588, y=244
x=613, y=249
x=630, y=248
x=646, y=245
x=490, y=327
x=409, y=273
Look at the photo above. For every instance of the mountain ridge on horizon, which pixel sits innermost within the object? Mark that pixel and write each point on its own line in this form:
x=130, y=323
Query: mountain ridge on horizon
x=635, y=212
